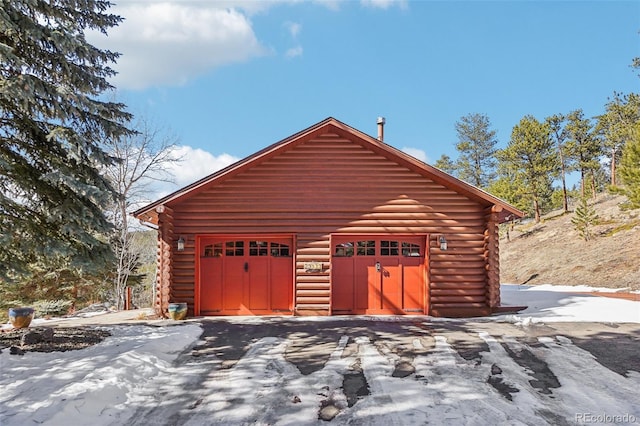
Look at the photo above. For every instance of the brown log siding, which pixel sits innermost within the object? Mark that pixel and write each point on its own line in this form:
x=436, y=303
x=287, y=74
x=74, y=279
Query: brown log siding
x=165, y=259
x=332, y=185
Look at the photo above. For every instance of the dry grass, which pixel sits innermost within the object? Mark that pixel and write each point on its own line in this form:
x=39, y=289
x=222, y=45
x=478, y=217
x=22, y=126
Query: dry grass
x=552, y=252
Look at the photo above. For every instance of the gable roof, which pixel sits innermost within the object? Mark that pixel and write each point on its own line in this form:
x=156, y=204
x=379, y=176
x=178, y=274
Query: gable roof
x=149, y=214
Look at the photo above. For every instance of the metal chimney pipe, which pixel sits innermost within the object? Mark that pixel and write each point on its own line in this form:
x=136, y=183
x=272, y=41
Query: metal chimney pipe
x=381, y=122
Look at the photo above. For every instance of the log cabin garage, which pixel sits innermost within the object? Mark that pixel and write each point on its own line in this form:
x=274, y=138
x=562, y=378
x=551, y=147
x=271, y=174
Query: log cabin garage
x=329, y=221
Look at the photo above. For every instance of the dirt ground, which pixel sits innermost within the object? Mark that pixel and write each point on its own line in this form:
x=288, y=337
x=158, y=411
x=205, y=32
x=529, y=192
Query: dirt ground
x=69, y=333
x=552, y=252
x=48, y=339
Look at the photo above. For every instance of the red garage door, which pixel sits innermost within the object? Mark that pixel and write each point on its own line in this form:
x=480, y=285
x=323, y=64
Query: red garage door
x=378, y=275
x=246, y=276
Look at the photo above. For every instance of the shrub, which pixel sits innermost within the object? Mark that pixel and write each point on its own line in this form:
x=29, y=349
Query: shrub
x=52, y=307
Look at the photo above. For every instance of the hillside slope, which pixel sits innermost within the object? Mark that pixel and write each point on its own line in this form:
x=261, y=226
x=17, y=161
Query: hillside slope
x=552, y=252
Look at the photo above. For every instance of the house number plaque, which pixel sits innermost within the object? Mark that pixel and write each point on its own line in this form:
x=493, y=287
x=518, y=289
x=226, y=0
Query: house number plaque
x=312, y=266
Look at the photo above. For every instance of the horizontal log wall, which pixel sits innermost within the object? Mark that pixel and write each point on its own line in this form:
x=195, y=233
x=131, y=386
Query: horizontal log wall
x=332, y=185
x=493, y=259
x=165, y=261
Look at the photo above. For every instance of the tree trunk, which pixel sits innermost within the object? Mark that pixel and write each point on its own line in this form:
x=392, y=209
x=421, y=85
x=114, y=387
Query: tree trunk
x=613, y=166
x=565, y=202
x=123, y=251
x=536, y=209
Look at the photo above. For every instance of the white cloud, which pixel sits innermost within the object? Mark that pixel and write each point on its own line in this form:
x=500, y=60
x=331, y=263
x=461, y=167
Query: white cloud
x=197, y=163
x=294, y=51
x=194, y=165
x=170, y=43
x=294, y=28
x=330, y=4
x=416, y=153
x=384, y=4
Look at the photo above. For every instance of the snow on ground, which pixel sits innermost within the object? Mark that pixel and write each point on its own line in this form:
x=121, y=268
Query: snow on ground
x=97, y=385
x=551, y=303
x=136, y=377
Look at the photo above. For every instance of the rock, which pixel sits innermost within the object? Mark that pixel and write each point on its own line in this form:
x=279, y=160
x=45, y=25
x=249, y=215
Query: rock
x=31, y=338
x=47, y=335
x=328, y=412
x=403, y=369
x=495, y=370
x=96, y=307
x=14, y=350
x=296, y=399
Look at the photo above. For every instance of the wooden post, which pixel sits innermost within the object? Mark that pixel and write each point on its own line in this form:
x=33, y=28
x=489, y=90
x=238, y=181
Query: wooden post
x=127, y=298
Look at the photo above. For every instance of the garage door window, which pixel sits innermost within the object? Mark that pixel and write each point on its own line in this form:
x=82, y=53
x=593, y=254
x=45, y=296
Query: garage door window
x=362, y=248
x=258, y=248
x=366, y=248
x=280, y=250
x=394, y=248
x=410, y=250
x=213, y=250
x=343, y=250
x=234, y=248
x=237, y=249
x=389, y=248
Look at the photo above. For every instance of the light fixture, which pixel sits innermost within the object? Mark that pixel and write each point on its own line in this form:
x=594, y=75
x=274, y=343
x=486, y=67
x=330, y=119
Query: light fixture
x=180, y=244
x=443, y=243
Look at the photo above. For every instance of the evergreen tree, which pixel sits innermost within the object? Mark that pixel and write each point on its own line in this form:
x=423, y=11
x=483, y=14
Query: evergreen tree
x=630, y=170
x=508, y=188
x=52, y=126
x=616, y=125
x=584, y=220
x=477, y=147
x=584, y=147
x=530, y=161
x=445, y=164
x=559, y=133
x=635, y=64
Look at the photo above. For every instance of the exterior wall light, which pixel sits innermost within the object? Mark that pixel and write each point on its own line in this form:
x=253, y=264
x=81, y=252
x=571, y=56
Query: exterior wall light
x=443, y=243
x=180, y=244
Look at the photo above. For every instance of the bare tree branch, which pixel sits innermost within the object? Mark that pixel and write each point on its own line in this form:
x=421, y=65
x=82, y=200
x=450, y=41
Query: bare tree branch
x=144, y=158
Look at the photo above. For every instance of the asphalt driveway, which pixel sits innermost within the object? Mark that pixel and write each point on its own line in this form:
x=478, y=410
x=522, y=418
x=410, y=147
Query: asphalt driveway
x=403, y=371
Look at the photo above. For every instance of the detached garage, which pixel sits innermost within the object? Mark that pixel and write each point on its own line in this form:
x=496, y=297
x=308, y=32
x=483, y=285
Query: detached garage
x=329, y=221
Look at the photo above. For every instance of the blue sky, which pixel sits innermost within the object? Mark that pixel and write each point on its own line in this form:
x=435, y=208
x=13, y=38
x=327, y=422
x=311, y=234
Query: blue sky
x=231, y=77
